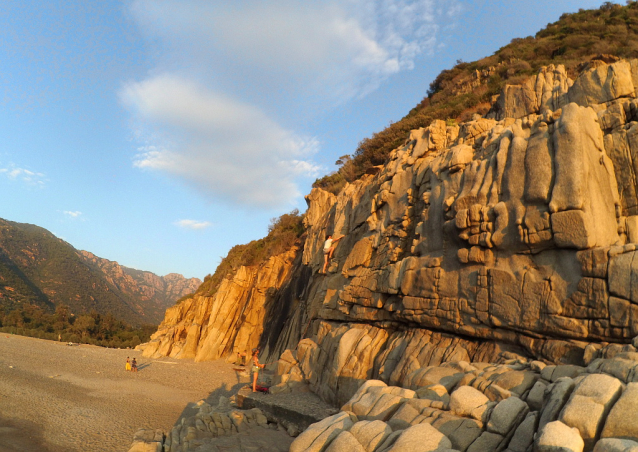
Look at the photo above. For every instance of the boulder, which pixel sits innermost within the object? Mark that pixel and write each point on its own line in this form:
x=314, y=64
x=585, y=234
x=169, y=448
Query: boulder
x=622, y=421
x=558, y=437
x=487, y=441
x=558, y=395
x=589, y=405
x=506, y=416
x=469, y=402
x=319, y=435
x=616, y=445
x=370, y=434
x=536, y=396
x=524, y=435
x=345, y=442
x=423, y=438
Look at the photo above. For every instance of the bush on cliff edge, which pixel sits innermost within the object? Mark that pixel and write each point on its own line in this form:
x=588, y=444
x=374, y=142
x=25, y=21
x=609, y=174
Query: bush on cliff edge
x=283, y=233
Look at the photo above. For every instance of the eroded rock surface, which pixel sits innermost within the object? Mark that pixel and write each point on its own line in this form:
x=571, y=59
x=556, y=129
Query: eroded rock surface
x=589, y=410
x=510, y=239
x=231, y=321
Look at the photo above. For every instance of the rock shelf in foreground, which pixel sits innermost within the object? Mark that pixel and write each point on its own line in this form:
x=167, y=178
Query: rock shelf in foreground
x=515, y=406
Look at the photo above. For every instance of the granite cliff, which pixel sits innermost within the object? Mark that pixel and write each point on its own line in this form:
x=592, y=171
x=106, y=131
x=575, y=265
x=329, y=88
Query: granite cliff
x=507, y=238
x=516, y=230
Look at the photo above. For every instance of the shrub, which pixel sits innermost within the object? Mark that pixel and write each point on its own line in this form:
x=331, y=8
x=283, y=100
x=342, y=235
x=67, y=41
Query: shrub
x=283, y=233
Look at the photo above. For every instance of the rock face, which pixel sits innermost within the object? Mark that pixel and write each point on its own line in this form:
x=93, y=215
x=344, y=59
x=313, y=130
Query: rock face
x=510, y=235
x=228, y=322
x=215, y=428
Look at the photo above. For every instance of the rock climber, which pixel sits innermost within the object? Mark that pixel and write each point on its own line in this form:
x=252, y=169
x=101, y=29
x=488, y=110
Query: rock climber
x=328, y=250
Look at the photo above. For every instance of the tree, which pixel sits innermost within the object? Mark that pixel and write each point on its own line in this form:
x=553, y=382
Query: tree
x=14, y=318
x=84, y=325
x=62, y=313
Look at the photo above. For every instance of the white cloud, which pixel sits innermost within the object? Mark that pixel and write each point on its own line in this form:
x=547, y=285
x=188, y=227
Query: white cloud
x=221, y=147
x=29, y=177
x=230, y=75
x=338, y=49
x=72, y=214
x=193, y=224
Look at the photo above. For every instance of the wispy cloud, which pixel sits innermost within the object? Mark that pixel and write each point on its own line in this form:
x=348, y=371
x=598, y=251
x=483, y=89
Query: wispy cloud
x=193, y=224
x=72, y=214
x=274, y=62
x=13, y=172
x=219, y=145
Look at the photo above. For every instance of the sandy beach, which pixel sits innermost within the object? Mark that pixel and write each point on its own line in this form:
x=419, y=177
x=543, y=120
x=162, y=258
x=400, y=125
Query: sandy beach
x=55, y=397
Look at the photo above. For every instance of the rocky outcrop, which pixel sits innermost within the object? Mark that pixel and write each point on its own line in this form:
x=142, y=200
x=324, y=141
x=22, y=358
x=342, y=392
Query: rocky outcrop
x=230, y=321
x=515, y=232
x=483, y=296
x=512, y=235
x=515, y=406
x=154, y=293
x=216, y=428
x=507, y=236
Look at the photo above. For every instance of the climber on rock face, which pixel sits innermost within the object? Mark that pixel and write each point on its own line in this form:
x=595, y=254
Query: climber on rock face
x=328, y=250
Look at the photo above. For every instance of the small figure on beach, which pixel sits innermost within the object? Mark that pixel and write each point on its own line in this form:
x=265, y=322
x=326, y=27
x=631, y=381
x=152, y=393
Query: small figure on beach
x=128, y=363
x=328, y=250
x=255, y=368
x=241, y=358
x=134, y=365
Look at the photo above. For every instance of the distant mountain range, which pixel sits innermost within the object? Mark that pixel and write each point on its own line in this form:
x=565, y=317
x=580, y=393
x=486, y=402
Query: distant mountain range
x=40, y=268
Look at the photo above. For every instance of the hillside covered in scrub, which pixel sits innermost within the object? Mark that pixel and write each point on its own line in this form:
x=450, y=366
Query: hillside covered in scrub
x=471, y=88
x=37, y=268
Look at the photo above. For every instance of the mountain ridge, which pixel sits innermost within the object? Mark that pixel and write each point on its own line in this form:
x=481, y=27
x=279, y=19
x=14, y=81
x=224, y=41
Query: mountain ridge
x=38, y=267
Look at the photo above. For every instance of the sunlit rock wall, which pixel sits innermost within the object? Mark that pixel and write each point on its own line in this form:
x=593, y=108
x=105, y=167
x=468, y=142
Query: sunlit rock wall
x=513, y=232
x=230, y=321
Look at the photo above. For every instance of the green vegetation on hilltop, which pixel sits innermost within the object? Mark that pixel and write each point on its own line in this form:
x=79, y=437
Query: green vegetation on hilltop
x=283, y=233
x=38, y=268
x=612, y=29
x=93, y=328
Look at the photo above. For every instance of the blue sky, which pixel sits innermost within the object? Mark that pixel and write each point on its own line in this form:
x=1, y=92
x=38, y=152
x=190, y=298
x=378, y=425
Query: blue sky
x=161, y=133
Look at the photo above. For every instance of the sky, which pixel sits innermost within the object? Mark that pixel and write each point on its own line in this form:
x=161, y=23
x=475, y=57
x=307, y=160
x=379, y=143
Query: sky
x=161, y=133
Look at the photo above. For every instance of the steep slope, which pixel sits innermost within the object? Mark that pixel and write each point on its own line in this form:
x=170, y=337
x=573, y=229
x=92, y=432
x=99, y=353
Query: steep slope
x=37, y=267
x=514, y=232
x=232, y=308
x=470, y=87
x=153, y=294
x=484, y=294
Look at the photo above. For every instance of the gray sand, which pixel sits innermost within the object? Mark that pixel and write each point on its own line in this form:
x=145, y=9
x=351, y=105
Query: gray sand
x=55, y=397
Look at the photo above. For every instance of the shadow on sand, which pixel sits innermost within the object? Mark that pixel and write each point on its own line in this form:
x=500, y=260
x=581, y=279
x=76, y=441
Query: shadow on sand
x=22, y=436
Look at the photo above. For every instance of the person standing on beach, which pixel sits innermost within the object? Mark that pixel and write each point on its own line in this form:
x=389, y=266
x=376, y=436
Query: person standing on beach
x=255, y=368
x=128, y=363
x=134, y=365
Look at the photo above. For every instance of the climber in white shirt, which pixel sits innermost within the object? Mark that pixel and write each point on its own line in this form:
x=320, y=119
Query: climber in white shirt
x=328, y=250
